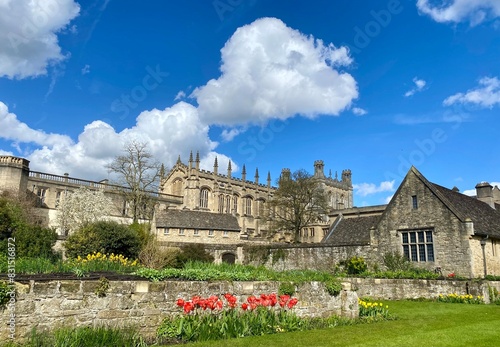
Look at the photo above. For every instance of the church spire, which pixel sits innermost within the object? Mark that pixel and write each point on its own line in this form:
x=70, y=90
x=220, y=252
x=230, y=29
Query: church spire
x=229, y=171
x=269, y=179
x=256, y=176
x=216, y=167
x=244, y=173
x=197, y=161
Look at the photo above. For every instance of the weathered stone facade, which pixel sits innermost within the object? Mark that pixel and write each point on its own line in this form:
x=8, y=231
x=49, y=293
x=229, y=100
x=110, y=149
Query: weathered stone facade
x=224, y=194
x=143, y=304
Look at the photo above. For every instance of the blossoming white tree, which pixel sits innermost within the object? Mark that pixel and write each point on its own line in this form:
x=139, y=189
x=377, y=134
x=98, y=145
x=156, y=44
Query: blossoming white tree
x=82, y=207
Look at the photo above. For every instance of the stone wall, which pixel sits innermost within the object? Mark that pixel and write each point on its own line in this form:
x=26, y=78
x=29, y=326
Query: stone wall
x=323, y=257
x=398, y=289
x=143, y=304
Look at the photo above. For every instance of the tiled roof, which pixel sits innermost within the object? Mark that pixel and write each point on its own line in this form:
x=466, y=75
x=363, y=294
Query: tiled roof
x=196, y=220
x=485, y=218
x=352, y=231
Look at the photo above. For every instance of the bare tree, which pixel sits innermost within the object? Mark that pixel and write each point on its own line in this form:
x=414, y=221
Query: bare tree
x=139, y=174
x=298, y=202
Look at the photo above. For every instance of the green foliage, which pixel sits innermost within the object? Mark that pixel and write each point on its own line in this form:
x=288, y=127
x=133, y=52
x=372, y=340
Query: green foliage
x=35, y=241
x=102, y=287
x=12, y=216
x=5, y=290
x=494, y=295
x=154, y=256
x=286, y=288
x=230, y=324
x=193, y=252
x=84, y=336
x=333, y=286
x=395, y=261
x=143, y=231
x=105, y=237
x=356, y=265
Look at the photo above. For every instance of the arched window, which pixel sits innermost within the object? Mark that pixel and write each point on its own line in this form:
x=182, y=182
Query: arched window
x=228, y=203
x=221, y=203
x=204, y=198
x=248, y=206
x=261, y=208
x=235, y=203
x=177, y=187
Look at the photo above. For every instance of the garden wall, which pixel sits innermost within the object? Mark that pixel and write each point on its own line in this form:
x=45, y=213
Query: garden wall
x=143, y=304
x=398, y=289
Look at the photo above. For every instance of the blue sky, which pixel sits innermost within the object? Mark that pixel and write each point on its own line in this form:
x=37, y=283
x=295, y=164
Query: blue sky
x=374, y=87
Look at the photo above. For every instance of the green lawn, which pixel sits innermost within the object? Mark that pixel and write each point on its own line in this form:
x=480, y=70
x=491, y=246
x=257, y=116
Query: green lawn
x=419, y=324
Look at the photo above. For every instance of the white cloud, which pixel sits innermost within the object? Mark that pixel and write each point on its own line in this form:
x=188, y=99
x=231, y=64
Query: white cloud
x=28, y=37
x=180, y=95
x=487, y=94
x=419, y=86
x=359, y=111
x=2, y=152
x=272, y=71
x=86, y=69
x=168, y=133
x=15, y=130
x=364, y=189
x=229, y=134
x=455, y=11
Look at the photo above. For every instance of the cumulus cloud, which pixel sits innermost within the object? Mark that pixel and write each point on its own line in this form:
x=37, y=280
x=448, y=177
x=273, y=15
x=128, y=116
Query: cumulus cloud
x=28, y=35
x=168, y=133
x=359, y=111
x=486, y=95
x=180, y=95
x=364, y=189
x=419, y=86
x=455, y=11
x=272, y=71
x=229, y=134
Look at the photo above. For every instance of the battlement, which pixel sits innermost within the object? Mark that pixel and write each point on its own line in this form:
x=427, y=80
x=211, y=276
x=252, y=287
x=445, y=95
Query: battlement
x=8, y=160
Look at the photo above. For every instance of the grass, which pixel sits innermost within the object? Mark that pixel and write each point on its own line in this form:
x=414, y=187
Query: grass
x=418, y=324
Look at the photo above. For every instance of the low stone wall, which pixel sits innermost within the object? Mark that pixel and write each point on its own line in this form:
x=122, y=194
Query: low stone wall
x=143, y=304
x=399, y=289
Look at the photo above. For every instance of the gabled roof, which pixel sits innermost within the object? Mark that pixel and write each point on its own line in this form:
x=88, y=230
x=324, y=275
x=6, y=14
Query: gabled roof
x=485, y=218
x=189, y=219
x=351, y=231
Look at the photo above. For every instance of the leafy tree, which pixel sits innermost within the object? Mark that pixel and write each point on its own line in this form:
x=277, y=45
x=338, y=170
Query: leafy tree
x=139, y=174
x=104, y=237
x=82, y=207
x=298, y=202
x=193, y=252
x=12, y=216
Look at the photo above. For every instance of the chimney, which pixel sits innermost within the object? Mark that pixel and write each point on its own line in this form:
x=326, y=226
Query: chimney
x=484, y=193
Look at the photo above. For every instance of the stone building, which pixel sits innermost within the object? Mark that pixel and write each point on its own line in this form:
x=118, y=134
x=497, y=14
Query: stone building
x=435, y=227
x=48, y=190
x=214, y=192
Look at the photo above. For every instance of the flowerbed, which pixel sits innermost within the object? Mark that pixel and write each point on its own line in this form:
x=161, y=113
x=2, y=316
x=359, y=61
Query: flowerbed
x=461, y=299
x=373, y=309
x=213, y=318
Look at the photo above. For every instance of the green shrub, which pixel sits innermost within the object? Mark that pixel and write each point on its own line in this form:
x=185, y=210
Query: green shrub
x=35, y=242
x=193, y=252
x=286, y=288
x=395, y=261
x=106, y=237
x=356, y=265
x=153, y=256
x=333, y=287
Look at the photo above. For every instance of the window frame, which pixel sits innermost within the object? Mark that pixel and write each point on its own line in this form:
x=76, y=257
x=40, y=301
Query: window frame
x=418, y=245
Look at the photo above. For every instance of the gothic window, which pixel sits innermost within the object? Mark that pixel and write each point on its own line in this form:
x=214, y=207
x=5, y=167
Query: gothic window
x=204, y=198
x=221, y=204
x=248, y=206
x=235, y=203
x=228, y=204
x=177, y=187
x=418, y=245
x=260, y=208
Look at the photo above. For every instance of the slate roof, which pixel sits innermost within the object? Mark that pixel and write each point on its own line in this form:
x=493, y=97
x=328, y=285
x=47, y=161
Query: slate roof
x=351, y=231
x=196, y=220
x=486, y=219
